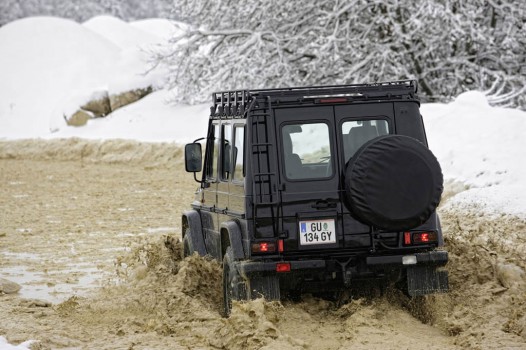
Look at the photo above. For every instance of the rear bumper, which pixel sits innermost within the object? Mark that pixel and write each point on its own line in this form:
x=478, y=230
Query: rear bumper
x=436, y=258
x=433, y=258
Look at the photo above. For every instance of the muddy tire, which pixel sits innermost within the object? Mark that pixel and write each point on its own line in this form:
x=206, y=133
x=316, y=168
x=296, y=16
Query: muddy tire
x=234, y=287
x=393, y=182
x=187, y=244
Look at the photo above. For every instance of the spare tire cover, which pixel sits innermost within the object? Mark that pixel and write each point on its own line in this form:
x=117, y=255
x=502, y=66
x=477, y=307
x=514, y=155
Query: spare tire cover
x=393, y=182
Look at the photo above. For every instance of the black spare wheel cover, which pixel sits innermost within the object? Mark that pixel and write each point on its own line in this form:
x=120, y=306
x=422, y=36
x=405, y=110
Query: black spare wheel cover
x=393, y=182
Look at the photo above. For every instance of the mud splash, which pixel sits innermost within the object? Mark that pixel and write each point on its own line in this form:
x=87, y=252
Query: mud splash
x=487, y=267
x=180, y=299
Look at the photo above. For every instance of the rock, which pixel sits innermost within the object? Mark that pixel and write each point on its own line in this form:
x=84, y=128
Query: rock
x=509, y=274
x=100, y=106
x=79, y=118
x=125, y=98
x=8, y=287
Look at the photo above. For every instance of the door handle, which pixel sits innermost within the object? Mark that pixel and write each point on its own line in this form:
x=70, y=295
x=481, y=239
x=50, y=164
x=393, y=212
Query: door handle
x=323, y=204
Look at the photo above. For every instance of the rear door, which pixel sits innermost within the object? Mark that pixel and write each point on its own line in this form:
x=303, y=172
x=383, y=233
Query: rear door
x=309, y=174
x=315, y=145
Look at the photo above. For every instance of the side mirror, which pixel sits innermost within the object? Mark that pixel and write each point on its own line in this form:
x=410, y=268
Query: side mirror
x=193, y=157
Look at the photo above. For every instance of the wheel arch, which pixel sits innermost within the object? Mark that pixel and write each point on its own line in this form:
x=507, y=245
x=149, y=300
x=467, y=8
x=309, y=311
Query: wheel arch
x=231, y=237
x=192, y=220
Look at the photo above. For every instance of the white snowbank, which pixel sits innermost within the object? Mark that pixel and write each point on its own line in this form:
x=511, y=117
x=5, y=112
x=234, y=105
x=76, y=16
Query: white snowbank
x=477, y=144
x=150, y=119
x=42, y=60
x=4, y=345
x=121, y=33
x=132, y=69
x=55, y=62
x=483, y=147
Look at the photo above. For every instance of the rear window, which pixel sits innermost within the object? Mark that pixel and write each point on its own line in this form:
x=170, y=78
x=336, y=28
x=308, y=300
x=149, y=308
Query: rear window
x=307, y=151
x=357, y=132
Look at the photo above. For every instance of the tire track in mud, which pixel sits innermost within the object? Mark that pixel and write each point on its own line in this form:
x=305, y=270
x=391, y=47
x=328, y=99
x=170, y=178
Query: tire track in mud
x=113, y=206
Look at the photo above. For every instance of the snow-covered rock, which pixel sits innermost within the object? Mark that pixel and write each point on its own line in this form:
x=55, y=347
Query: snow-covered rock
x=48, y=59
x=8, y=287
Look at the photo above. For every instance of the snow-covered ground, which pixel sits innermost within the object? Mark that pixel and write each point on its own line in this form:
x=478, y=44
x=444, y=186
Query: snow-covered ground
x=50, y=65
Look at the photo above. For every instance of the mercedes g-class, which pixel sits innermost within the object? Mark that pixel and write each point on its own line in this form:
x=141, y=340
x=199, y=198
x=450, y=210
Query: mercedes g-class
x=317, y=189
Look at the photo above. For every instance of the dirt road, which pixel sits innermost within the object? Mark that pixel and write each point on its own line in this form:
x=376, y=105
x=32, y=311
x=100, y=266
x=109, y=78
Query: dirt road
x=84, y=226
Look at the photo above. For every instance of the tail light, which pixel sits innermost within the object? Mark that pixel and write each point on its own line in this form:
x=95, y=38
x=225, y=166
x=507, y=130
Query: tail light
x=264, y=247
x=267, y=247
x=411, y=238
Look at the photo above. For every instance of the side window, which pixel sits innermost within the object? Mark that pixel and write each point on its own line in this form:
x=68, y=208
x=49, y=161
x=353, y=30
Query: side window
x=357, y=132
x=238, y=152
x=226, y=151
x=307, y=151
x=214, y=153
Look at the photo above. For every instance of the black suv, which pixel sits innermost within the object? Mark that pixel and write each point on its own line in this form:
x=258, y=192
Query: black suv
x=317, y=189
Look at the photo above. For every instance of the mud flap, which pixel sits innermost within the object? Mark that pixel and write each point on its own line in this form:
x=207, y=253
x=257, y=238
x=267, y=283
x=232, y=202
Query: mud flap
x=266, y=286
x=422, y=280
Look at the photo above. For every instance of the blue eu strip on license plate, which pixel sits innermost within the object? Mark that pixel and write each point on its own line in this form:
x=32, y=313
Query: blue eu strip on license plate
x=317, y=232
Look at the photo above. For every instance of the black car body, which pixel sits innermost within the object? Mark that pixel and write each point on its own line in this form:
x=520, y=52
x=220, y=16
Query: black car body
x=317, y=189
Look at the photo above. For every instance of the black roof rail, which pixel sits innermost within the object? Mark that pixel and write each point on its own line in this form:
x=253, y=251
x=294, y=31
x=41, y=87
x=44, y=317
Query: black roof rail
x=406, y=85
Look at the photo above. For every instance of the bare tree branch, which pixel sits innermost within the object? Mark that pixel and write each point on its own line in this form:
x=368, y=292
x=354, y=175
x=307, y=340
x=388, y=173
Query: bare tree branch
x=449, y=46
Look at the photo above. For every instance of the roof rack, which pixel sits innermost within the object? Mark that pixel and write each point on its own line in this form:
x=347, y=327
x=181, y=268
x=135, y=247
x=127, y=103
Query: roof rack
x=236, y=103
x=404, y=86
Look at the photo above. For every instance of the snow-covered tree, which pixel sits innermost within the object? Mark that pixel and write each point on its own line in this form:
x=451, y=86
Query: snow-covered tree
x=449, y=46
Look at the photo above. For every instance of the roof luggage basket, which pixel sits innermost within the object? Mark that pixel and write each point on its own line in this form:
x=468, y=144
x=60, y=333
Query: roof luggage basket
x=235, y=104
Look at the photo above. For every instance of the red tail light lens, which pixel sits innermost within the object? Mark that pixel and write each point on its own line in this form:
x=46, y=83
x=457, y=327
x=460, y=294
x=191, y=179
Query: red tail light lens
x=280, y=245
x=411, y=238
x=264, y=247
x=424, y=237
x=407, y=238
x=283, y=267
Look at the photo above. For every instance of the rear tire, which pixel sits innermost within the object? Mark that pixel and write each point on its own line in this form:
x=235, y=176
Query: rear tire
x=234, y=286
x=187, y=244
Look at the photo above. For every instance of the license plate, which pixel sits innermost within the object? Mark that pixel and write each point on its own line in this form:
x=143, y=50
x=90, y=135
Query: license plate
x=317, y=232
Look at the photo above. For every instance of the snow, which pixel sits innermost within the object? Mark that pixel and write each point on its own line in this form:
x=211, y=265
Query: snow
x=150, y=119
x=4, y=345
x=42, y=59
x=51, y=66
x=52, y=63
x=163, y=28
x=483, y=147
x=121, y=33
